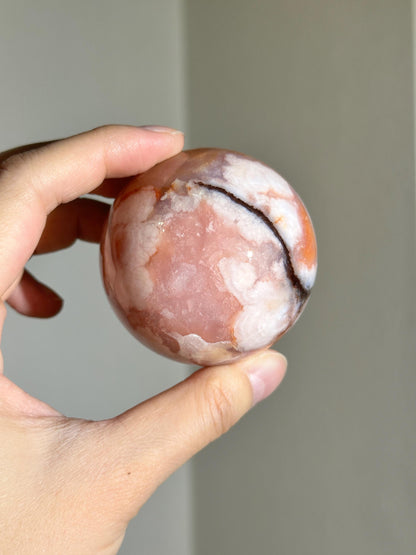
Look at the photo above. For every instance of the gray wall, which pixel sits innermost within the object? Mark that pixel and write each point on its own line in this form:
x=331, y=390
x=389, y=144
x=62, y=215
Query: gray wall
x=67, y=67
x=322, y=91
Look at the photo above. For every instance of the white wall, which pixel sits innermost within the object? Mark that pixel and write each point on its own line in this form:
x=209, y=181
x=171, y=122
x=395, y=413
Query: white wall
x=322, y=91
x=67, y=67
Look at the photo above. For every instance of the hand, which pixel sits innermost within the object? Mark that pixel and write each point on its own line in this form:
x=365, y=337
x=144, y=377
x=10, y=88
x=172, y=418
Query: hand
x=71, y=486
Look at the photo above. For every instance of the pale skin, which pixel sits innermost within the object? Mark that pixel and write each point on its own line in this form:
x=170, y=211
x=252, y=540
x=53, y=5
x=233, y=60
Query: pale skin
x=67, y=485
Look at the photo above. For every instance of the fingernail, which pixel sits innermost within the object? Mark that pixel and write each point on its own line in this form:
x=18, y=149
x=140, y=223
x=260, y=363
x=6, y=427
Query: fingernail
x=265, y=374
x=161, y=129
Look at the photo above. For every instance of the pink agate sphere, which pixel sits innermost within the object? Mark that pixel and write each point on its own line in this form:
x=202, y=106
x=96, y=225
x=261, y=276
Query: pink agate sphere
x=208, y=256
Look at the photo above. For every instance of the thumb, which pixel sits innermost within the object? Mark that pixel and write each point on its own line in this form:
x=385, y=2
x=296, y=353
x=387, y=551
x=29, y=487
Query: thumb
x=152, y=440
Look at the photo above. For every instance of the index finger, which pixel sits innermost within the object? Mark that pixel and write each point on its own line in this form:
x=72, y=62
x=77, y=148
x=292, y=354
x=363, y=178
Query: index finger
x=33, y=183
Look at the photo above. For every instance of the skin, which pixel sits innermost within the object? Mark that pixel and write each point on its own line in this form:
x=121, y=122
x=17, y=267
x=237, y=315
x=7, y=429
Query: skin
x=68, y=485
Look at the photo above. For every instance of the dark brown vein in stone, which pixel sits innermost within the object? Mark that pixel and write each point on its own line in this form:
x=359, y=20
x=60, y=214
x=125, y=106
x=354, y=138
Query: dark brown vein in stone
x=302, y=293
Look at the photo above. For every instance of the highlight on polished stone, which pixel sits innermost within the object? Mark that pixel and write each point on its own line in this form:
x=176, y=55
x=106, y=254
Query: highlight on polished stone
x=208, y=256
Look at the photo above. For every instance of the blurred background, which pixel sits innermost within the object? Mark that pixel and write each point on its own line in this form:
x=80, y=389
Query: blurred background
x=323, y=92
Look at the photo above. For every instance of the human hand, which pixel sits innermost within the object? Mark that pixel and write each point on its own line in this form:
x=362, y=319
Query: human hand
x=67, y=485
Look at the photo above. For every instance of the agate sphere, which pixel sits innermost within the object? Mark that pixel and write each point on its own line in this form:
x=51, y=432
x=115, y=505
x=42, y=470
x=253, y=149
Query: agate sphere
x=208, y=256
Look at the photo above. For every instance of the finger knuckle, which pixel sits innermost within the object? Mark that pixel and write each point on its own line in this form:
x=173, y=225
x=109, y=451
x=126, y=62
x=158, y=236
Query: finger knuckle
x=107, y=134
x=11, y=163
x=17, y=167
x=219, y=406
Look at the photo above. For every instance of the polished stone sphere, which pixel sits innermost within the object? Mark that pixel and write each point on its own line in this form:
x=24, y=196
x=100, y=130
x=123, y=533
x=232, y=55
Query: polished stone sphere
x=208, y=256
